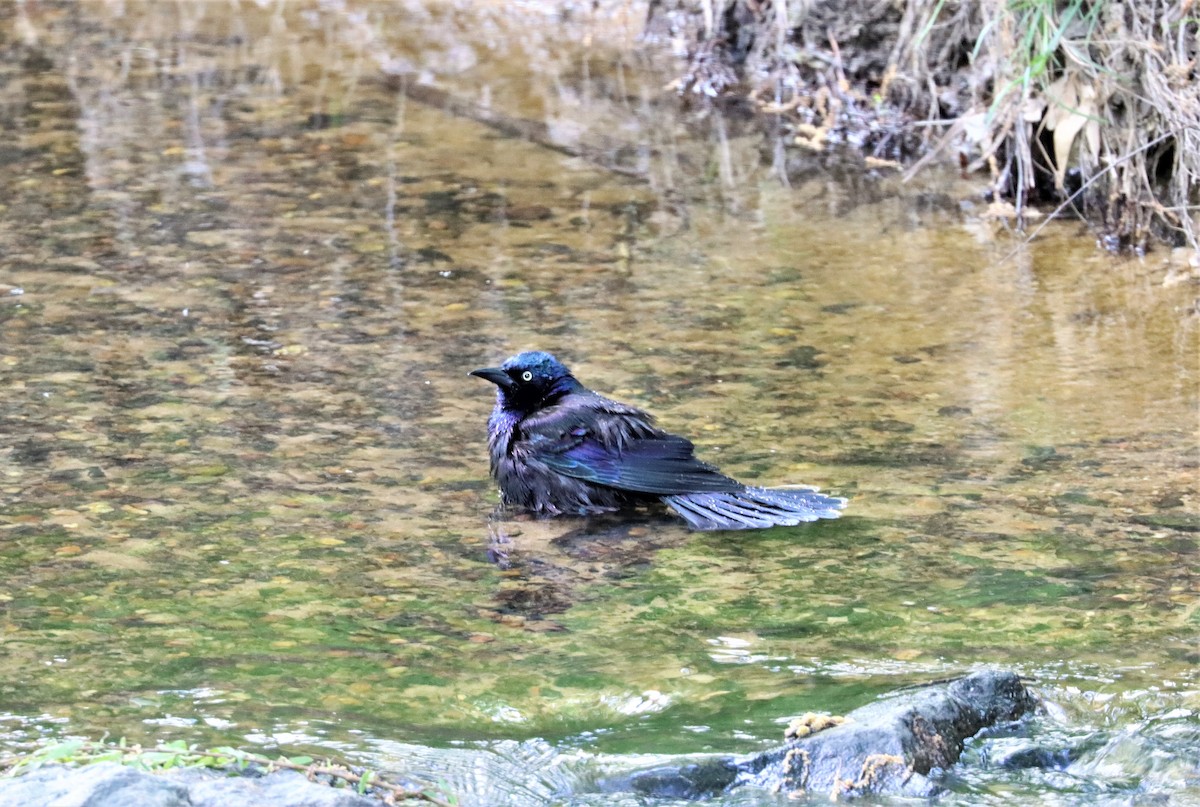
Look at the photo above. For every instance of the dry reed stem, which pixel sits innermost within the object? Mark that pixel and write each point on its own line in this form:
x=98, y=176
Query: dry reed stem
x=1092, y=101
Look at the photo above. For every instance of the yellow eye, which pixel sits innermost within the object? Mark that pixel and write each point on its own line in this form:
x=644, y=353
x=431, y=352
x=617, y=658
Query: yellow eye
x=526, y=376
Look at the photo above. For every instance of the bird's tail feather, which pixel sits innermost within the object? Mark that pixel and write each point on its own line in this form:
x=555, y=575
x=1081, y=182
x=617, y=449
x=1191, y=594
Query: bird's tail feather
x=754, y=508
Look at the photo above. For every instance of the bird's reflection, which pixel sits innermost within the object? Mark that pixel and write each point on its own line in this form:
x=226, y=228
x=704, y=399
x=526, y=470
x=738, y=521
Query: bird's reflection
x=548, y=565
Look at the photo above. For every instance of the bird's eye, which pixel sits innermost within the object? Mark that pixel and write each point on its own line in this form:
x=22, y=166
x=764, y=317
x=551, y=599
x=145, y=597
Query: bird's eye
x=526, y=376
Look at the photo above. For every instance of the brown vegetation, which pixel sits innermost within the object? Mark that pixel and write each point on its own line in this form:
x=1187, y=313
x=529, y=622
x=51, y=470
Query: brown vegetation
x=1084, y=104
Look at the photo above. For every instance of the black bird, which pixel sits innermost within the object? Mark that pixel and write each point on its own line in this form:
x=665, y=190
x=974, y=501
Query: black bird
x=557, y=448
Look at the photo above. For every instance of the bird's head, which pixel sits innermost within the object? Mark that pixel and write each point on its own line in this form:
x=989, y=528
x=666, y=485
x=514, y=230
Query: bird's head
x=529, y=380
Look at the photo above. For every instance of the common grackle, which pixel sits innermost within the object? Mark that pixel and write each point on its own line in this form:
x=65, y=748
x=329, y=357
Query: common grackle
x=557, y=448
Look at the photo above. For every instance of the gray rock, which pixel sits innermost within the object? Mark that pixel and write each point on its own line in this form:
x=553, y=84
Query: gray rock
x=279, y=789
x=891, y=746
x=888, y=747
x=107, y=784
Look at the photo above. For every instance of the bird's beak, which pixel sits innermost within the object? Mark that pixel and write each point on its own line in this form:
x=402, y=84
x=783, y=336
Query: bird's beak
x=494, y=374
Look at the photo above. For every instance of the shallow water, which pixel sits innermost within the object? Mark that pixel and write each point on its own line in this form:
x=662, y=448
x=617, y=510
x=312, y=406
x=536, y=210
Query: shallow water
x=244, y=493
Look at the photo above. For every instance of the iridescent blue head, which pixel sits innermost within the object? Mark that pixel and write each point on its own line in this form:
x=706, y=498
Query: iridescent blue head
x=530, y=380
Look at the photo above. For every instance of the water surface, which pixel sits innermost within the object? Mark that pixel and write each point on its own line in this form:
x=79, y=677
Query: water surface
x=244, y=494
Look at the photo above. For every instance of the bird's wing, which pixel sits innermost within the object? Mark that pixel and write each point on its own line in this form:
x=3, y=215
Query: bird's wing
x=611, y=444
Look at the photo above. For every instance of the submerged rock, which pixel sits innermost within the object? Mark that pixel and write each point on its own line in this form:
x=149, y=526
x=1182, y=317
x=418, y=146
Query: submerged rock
x=888, y=747
x=107, y=784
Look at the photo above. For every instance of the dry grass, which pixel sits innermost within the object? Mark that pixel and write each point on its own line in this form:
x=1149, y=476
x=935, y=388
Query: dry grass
x=1084, y=104
x=1091, y=103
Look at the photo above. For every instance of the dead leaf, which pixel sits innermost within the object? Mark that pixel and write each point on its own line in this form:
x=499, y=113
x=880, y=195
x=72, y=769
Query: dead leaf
x=1072, y=105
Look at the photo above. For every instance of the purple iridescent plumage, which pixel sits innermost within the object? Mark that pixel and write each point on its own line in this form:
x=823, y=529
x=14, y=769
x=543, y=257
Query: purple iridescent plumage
x=557, y=448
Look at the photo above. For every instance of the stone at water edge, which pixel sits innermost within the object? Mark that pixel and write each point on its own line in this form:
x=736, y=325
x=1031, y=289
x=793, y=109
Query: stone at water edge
x=107, y=784
x=892, y=745
x=885, y=748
